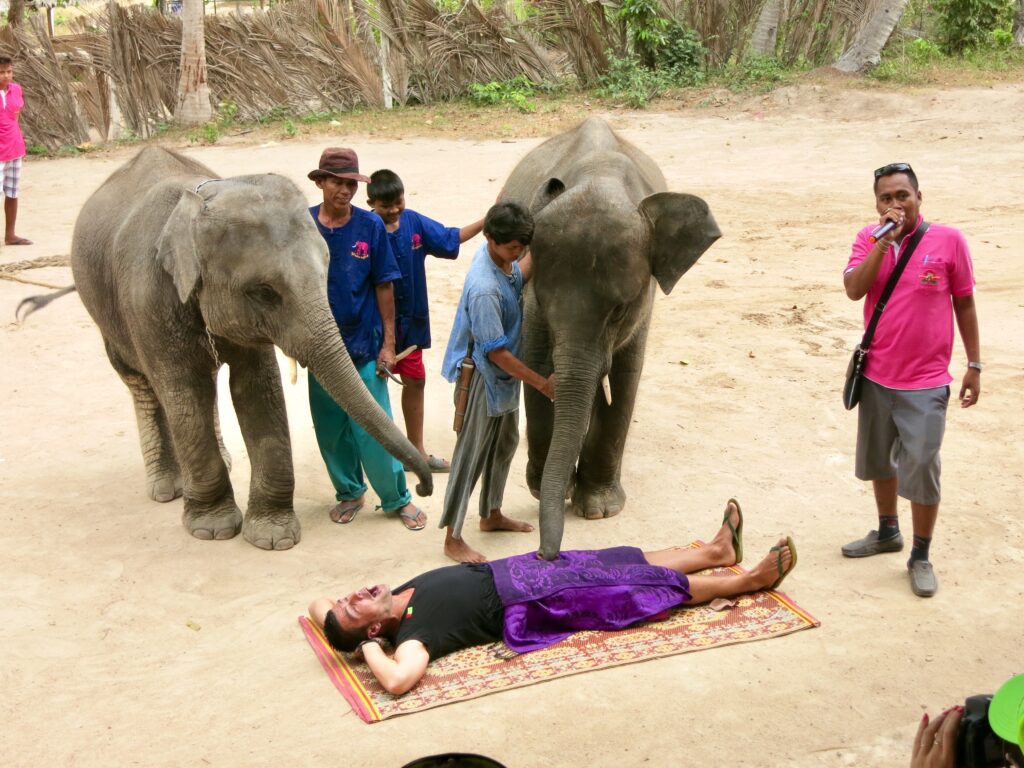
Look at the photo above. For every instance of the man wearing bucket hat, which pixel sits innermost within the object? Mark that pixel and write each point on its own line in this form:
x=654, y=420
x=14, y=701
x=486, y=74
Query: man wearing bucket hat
x=359, y=289
x=940, y=743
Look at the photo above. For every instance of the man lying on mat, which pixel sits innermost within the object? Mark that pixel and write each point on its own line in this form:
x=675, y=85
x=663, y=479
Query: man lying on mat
x=533, y=603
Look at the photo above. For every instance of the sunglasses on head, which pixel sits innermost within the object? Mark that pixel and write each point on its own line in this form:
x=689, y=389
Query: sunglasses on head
x=885, y=170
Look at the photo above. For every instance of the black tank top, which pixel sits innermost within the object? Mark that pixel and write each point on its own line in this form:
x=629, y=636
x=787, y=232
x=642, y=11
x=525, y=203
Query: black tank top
x=452, y=608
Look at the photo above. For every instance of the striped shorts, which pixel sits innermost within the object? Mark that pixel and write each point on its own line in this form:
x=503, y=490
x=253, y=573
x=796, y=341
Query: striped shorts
x=12, y=176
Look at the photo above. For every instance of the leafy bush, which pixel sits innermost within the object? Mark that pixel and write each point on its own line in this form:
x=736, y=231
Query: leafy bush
x=923, y=51
x=646, y=28
x=684, y=55
x=516, y=92
x=631, y=82
x=967, y=24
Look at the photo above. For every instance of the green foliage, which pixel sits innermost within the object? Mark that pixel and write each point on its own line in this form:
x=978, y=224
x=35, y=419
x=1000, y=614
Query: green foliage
x=36, y=149
x=226, y=113
x=275, y=115
x=966, y=25
x=684, y=55
x=646, y=28
x=290, y=130
x=515, y=92
x=205, y=134
x=920, y=61
x=760, y=73
x=629, y=81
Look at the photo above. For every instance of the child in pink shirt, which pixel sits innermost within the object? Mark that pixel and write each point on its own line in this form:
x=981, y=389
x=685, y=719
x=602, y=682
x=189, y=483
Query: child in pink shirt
x=12, y=148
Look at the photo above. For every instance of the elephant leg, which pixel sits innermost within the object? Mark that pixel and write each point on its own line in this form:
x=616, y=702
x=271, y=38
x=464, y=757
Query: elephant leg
x=540, y=412
x=189, y=399
x=163, y=475
x=270, y=521
x=598, y=492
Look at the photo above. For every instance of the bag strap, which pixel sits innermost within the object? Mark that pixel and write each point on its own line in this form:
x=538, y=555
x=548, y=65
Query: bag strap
x=869, y=333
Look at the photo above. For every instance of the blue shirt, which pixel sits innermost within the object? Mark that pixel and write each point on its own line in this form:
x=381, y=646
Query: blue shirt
x=490, y=315
x=417, y=237
x=361, y=259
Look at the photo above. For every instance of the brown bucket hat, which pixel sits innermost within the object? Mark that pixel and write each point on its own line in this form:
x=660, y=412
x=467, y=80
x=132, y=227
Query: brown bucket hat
x=340, y=162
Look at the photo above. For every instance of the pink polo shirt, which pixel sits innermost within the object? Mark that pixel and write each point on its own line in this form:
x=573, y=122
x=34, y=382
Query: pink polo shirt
x=12, y=143
x=913, y=342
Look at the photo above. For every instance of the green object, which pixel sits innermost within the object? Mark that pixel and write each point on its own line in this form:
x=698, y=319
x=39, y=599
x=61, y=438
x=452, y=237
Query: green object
x=1006, y=712
x=408, y=611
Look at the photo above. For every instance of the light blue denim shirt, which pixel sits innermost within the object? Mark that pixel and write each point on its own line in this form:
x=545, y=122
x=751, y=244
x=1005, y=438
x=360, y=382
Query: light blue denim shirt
x=490, y=314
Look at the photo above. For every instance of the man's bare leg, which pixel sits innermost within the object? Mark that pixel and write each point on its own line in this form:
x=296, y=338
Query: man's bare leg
x=412, y=410
x=762, y=576
x=458, y=550
x=716, y=553
x=496, y=521
x=11, y=218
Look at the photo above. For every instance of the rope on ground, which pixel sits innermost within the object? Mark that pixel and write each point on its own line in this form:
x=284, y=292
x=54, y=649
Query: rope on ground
x=37, y=263
x=17, y=279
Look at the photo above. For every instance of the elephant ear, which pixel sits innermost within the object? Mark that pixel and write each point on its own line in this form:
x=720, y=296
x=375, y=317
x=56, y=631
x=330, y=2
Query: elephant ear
x=681, y=228
x=547, y=192
x=176, y=247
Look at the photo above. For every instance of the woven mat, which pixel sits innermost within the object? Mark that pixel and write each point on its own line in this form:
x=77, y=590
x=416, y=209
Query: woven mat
x=486, y=669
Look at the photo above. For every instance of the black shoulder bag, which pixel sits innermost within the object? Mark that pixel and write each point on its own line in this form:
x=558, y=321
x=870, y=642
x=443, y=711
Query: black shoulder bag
x=855, y=370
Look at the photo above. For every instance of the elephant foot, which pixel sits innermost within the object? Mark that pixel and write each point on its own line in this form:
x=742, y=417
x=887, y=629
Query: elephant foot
x=278, y=530
x=598, y=503
x=222, y=522
x=164, y=487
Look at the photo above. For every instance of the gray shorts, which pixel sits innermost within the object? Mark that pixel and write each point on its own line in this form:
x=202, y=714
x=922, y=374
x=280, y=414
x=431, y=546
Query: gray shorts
x=899, y=433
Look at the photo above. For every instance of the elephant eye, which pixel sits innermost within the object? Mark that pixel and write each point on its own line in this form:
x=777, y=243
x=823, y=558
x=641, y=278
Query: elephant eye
x=264, y=294
x=618, y=313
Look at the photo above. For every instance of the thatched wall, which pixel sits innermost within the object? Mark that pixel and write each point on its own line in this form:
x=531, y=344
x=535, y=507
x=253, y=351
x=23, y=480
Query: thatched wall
x=306, y=56
x=119, y=71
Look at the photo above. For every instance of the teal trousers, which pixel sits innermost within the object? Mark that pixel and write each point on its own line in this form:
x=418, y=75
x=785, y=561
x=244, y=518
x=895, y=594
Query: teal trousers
x=348, y=450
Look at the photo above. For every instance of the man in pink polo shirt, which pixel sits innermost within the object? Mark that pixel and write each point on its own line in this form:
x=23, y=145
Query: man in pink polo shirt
x=902, y=412
x=12, y=148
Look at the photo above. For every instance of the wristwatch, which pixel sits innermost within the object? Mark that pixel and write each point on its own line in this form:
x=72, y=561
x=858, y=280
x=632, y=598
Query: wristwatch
x=975, y=366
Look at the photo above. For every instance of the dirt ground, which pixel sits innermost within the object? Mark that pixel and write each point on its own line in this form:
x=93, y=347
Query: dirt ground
x=126, y=642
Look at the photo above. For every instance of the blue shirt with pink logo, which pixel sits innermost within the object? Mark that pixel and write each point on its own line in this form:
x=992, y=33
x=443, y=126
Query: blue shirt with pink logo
x=416, y=238
x=361, y=259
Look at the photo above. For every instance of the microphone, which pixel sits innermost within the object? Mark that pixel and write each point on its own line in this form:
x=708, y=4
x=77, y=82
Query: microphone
x=882, y=230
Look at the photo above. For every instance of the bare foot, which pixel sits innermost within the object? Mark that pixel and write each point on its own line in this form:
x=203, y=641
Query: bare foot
x=18, y=241
x=459, y=551
x=776, y=564
x=721, y=547
x=496, y=521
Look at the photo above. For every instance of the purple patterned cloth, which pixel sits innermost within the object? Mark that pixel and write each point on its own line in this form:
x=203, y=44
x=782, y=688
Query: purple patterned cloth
x=548, y=600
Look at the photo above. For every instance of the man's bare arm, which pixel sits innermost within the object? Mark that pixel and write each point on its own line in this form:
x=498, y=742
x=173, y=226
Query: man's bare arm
x=386, y=306
x=400, y=673
x=858, y=281
x=471, y=230
x=513, y=366
x=967, y=321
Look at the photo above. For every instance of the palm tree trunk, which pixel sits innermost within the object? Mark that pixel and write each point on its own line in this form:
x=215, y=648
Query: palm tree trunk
x=766, y=31
x=193, y=92
x=16, y=13
x=866, y=49
x=1018, y=23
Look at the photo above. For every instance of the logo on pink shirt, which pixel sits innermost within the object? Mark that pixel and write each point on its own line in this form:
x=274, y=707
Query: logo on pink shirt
x=929, y=278
x=361, y=250
x=417, y=241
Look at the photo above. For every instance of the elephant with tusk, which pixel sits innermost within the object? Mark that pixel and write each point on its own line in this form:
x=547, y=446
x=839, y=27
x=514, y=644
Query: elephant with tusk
x=607, y=233
x=182, y=271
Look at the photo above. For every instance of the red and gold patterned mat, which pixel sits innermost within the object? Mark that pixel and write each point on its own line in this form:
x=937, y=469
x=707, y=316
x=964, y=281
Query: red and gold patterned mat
x=486, y=669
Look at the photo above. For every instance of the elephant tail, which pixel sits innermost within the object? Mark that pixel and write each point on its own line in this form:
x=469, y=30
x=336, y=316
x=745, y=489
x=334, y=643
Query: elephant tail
x=32, y=303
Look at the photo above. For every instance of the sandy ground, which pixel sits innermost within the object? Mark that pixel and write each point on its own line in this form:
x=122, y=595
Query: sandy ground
x=126, y=642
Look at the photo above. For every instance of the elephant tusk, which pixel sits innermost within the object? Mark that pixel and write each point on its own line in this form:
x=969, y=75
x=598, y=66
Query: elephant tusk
x=293, y=369
x=606, y=385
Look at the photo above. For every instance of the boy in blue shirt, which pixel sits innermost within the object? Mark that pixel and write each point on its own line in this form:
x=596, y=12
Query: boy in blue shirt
x=360, y=274
x=413, y=237
x=487, y=328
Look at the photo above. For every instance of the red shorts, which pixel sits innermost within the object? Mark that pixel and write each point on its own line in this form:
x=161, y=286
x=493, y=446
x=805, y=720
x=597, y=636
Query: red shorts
x=411, y=366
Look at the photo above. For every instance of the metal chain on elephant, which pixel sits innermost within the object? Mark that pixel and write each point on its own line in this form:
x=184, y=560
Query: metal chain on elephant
x=213, y=347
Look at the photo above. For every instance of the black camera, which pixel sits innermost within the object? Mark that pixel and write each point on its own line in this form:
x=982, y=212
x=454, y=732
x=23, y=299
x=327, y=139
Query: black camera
x=977, y=745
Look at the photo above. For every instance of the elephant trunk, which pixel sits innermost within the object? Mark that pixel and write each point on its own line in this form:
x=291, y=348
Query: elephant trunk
x=578, y=373
x=328, y=360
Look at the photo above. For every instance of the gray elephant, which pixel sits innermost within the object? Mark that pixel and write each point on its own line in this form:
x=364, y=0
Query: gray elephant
x=183, y=271
x=606, y=233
